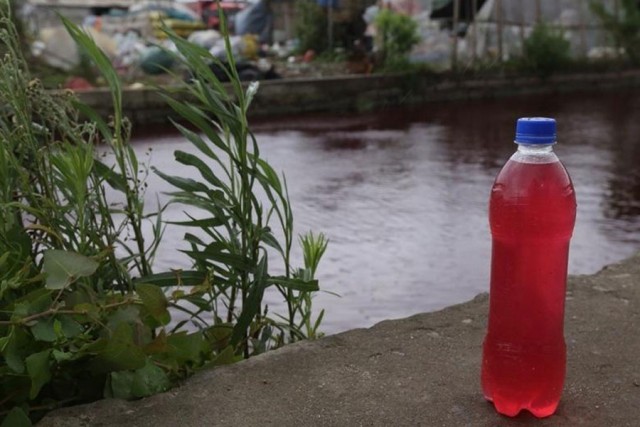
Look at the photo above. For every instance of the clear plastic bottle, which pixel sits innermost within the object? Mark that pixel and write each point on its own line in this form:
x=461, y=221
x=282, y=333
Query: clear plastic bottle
x=532, y=214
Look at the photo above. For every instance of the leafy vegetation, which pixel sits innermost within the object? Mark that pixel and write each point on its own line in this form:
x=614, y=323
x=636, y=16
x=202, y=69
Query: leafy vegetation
x=625, y=29
x=83, y=314
x=546, y=51
x=311, y=26
x=398, y=34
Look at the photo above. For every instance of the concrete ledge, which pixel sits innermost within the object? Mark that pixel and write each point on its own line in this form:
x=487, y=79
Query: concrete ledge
x=367, y=93
x=423, y=370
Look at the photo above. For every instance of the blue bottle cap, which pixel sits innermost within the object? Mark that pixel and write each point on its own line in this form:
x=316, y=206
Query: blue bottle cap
x=536, y=130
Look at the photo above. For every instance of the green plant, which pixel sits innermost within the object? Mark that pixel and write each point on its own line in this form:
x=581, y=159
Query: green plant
x=546, y=51
x=397, y=35
x=311, y=26
x=63, y=287
x=239, y=228
x=625, y=29
x=82, y=313
x=313, y=248
x=8, y=8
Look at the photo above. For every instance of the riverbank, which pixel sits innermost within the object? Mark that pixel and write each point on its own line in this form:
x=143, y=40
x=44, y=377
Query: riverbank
x=423, y=370
x=145, y=106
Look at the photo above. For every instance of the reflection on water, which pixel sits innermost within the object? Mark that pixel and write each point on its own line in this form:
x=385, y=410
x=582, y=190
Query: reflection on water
x=402, y=195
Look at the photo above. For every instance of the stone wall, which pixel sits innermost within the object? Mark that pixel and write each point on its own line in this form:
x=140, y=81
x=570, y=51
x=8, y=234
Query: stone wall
x=367, y=93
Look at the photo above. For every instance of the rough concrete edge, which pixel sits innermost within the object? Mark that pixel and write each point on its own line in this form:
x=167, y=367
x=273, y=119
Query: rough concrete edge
x=70, y=419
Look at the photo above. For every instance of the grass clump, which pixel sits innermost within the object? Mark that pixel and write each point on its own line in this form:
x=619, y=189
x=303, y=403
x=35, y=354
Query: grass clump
x=546, y=51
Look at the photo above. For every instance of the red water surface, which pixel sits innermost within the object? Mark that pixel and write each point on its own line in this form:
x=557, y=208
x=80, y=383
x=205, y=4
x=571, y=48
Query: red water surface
x=532, y=214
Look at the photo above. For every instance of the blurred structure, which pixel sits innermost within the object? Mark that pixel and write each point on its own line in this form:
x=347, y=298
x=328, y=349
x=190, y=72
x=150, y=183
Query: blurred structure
x=455, y=32
x=501, y=26
x=452, y=33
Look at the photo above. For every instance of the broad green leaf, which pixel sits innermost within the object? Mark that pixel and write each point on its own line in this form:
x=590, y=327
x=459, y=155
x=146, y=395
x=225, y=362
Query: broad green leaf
x=16, y=418
x=225, y=357
x=70, y=328
x=128, y=314
x=120, y=385
x=61, y=356
x=14, y=349
x=38, y=300
x=218, y=334
x=186, y=347
x=155, y=301
x=143, y=382
x=158, y=345
x=57, y=329
x=39, y=370
x=149, y=380
x=120, y=352
x=43, y=330
x=63, y=268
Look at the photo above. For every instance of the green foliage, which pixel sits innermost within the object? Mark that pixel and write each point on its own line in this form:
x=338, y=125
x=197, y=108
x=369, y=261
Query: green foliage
x=236, y=245
x=625, y=29
x=9, y=8
x=313, y=248
x=397, y=34
x=82, y=313
x=311, y=26
x=546, y=51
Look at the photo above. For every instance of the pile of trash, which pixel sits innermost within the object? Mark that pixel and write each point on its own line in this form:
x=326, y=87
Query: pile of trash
x=136, y=42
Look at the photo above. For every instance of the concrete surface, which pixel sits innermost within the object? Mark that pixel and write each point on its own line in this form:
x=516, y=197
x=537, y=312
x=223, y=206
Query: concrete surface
x=423, y=370
x=368, y=93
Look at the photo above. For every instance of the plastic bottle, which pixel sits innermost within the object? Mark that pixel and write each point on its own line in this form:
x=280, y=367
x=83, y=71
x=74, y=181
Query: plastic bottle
x=532, y=213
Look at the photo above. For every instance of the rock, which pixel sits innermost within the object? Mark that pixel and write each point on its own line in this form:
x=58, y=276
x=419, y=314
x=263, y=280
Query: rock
x=423, y=370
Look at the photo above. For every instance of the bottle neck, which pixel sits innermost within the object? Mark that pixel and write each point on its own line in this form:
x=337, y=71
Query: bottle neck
x=535, y=153
x=535, y=148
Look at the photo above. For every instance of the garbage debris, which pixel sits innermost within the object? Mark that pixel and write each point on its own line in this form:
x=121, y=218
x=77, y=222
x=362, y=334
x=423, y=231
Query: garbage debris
x=205, y=38
x=136, y=39
x=255, y=19
x=156, y=60
x=58, y=49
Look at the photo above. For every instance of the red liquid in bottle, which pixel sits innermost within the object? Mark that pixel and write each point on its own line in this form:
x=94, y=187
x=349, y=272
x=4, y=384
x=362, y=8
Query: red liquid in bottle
x=532, y=214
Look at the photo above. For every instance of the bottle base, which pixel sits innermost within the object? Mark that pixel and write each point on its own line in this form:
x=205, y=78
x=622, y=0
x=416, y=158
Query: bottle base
x=513, y=409
x=523, y=377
